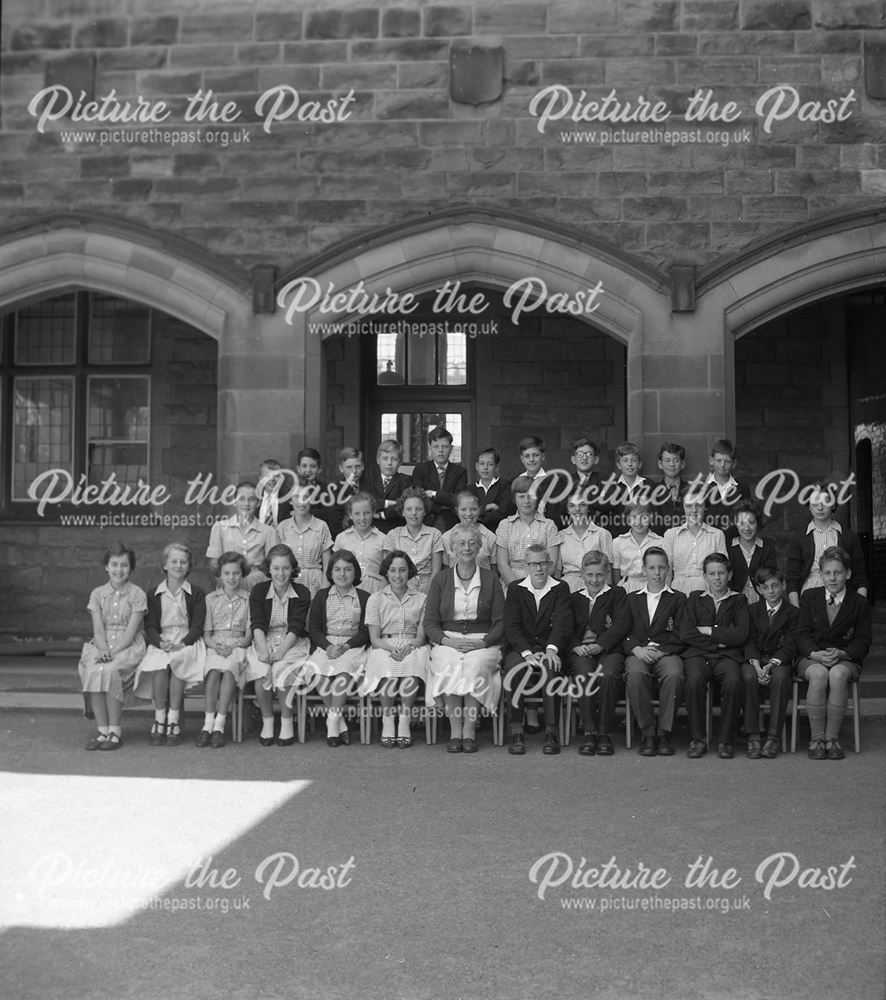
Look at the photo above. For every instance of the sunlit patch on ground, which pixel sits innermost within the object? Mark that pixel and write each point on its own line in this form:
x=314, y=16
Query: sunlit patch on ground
x=91, y=851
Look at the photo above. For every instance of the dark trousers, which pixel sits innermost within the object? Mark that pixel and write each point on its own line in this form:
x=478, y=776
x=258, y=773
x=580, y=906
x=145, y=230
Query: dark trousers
x=726, y=674
x=779, y=689
x=668, y=671
x=598, y=694
x=521, y=679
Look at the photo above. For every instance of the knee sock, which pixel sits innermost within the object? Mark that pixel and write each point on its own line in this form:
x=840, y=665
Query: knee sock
x=287, y=730
x=267, y=727
x=817, y=711
x=835, y=714
x=221, y=720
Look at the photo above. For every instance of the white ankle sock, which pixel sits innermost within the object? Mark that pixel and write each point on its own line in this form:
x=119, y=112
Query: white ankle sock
x=221, y=720
x=208, y=720
x=173, y=715
x=160, y=716
x=115, y=729
x=403, y=724
x=388, y=727
x=267, y=727
x=332, y=720
x=286, y=728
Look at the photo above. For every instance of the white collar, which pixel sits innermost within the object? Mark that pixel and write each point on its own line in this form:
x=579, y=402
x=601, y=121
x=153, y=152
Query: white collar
x=665, y=590
x=584, y=593
x=539, y=593
x=834, y=524
x=163, y=588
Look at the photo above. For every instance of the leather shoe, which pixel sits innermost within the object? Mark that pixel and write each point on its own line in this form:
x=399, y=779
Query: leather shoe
x=518, y=744
x=588, y=745
x=725, y=751
x=333, y=741
x=266, y=741
x=817, y=750
x=604, y=746
x=835, y=751
x=770, y=749
x=158, y=735
x=648, y=746
x=754, y=749
x=217, y=740
x=697, y=748
x=113, y=742
x=287, y=742
x=96, y=742
x=455, y=745
x=665, y=747
x=469, y=745
x=204, y=738
x=552, y=744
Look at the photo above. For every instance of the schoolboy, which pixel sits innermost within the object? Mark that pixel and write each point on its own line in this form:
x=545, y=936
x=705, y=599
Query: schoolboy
x=823, y=532
x=271, y=483
x=690, y=543
x=585, y=480
x=652, y=648
x=630, y=487
x=595, y=659
x=833, y=638
x=715, y=630
x=769, y=662
x=722, y=490
x=307, y=467
x=538, y=628
x=533, y=451
x=387, y=484
x=492, y=492
x=441, y=479
x=351, y=479
x=668, y=492
x=244, y=533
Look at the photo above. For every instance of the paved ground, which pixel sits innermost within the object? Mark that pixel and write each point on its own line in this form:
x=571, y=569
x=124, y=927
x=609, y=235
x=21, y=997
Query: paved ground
x=434, y=856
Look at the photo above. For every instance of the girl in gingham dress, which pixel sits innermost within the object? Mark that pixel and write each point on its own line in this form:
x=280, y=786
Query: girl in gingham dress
x=339, y=639
x=527, y=527
x=364, y=540
x=278, y=612
x=628, y=549
x=109, y=660
x=423, y=544
x=399, y=656
x=310, y=541
x=581, y=536
x=226, y=636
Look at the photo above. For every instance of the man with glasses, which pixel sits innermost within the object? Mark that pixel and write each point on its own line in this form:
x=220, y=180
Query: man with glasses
x=538, y=628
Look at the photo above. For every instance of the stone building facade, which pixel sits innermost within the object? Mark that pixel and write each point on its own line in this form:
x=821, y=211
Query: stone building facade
x=738, y=251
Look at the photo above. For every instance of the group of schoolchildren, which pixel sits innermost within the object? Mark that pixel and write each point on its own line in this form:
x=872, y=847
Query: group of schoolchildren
x=324, y=587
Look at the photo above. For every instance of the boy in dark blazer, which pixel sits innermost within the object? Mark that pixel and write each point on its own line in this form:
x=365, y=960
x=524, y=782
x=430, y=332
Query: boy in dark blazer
x=833, y=638
x=595, y=658
x=653, y=647
x=387, y=485
x=538, y=629
x=667, y=495
x=715, y=630
x=769, y=662
x=722, y=490
x=493, y=492
x=441, y=479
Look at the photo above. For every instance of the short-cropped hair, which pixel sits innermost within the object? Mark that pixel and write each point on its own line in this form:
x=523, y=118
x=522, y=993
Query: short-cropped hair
x=595, y=557
x=390, y=557
x=655, y=550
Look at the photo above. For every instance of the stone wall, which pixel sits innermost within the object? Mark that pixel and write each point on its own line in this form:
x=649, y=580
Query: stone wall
x=407, y=149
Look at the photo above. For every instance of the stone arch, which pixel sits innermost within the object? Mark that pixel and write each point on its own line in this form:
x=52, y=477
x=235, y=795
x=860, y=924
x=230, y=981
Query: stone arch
x=495, y=249
x=122, y=258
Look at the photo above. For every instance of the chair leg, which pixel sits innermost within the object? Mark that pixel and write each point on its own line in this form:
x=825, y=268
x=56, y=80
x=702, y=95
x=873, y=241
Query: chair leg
x=794, y=715
x=366, y=728
x=709, y=714
x=856, y=715
x=301, y=708
x=237, y=716
x=629, y=723
x=566, y=719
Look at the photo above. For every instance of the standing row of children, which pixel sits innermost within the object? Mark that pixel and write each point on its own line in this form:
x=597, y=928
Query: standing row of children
x=376, y=513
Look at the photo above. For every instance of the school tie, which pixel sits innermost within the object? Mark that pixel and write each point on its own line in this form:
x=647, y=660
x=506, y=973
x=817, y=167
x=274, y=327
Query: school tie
x=832, y=609
x=442, y=474
x=771, y=612
x=385, y=483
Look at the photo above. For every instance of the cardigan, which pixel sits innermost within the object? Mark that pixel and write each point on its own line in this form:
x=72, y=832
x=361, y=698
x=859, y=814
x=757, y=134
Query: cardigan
x=764, y=555
x=317, y=621
x=261, y=603
x=440, y=608
x=195, y=604
x=850, y=631
x=801, y=553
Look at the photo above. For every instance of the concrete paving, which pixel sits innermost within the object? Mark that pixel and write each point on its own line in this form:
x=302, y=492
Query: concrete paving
x=448, y=876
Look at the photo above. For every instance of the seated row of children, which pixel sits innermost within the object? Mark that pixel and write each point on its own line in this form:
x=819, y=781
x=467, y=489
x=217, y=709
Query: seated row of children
x=345, y=639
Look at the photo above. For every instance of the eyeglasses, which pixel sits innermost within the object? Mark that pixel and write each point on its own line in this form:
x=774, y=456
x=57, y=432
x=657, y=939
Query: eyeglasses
x=546, y=562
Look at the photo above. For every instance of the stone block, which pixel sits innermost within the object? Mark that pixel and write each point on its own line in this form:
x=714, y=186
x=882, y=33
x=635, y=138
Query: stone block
x=873, y=182
x=161, y=30
x=709, y=15
x=715, y=208
x=278, y=25
x=488, y=184
x=357, y=23
x=775, y=208
x=582, y=17
x=828, y=41
x=230, y=81
x=818, y=182
x=771, y=155
x=614, y=46
x=124, y=190
x=730, y=71
x=260, y=53
x=40, y=36
x=447, y=21
x=783, y=15
x=819, y=157
x=415, y=104
x=798, y=70
x=232, y=25
x=679, y=410
x=633, y=71
x=102, y=33
x=621, y=183
x=676, y=45
x=745, y=43
x=372, y=76
x=674, y=371
x=577, y=185
x=399, y=22
x=648, y=15
x=592, y=158
x=104, y=166
x=168, y=82
x=838, y=70
x=315, y=52
x=698, y=182
x=182, y=56
x=511, y=19
x=114, y=60
x=654, y=208
x=413, y=76
x=846, y=15
x=522, y=74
